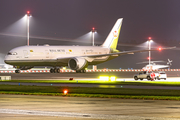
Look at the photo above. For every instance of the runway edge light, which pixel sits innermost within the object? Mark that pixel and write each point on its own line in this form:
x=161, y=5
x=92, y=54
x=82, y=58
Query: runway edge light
x=104, y=78
x=113, y=78
x=65, y=92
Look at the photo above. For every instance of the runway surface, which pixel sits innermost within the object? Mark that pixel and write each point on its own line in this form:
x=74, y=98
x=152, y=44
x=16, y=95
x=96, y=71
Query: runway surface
x=66, y=76
x=121, y=76
x=28, y=107
x=25, y=107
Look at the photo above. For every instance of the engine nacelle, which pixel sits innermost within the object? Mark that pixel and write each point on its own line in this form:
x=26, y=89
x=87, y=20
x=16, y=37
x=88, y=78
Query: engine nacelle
x=77, y=63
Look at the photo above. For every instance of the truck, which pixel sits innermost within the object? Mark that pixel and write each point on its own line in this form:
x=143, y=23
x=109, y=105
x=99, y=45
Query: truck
x=149, y=75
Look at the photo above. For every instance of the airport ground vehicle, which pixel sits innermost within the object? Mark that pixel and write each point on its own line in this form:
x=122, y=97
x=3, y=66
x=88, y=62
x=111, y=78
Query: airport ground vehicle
x=149, y=75
x=161, y=75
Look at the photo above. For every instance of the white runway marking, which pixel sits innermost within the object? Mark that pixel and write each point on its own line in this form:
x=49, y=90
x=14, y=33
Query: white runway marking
x=78, y=115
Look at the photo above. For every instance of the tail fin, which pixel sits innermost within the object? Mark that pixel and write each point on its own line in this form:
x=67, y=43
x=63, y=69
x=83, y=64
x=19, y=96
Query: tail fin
x=112, y=39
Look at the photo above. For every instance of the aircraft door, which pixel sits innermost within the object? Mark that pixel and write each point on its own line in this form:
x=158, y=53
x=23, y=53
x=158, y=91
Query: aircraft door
x=25, y=53
x=47, y=53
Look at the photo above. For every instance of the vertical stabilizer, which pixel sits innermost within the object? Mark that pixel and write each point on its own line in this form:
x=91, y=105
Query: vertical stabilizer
x=112, y=39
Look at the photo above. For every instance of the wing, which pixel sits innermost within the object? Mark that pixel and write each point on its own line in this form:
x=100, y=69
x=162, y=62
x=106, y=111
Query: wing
x=110, y=54
x=127, y=52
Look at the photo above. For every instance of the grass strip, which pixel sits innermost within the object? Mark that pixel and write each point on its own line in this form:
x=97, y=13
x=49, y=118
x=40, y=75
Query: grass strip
x=177, y=98
x=123, y=93
x=153, y=83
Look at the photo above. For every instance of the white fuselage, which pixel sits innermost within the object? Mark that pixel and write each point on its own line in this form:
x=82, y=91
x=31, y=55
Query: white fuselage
x=55, y=55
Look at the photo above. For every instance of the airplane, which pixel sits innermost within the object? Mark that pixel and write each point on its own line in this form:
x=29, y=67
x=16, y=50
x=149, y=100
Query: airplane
x=75, y=57
x=154, y=66
x=5, y=66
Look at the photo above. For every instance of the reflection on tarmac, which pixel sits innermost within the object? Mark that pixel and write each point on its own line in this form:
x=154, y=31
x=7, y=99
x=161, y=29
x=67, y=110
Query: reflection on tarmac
x=24, y=107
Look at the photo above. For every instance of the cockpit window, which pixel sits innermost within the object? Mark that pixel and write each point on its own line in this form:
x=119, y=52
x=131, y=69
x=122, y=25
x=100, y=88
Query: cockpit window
x=12, y=53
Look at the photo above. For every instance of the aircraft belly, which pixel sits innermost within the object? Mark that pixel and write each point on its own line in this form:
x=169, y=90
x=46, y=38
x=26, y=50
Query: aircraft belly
x=35, y=63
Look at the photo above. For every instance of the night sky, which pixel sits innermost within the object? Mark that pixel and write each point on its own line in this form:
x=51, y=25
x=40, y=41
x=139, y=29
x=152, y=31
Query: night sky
x=64, y=22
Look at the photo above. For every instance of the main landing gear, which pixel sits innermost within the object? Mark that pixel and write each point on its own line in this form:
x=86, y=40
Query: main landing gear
x=55, y=70
x=80, y=71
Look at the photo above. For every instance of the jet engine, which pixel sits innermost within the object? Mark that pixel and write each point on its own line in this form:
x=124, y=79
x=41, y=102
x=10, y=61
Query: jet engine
x=77, y=63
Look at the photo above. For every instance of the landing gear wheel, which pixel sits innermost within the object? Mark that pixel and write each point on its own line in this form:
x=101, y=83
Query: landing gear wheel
x=57, y=70
x=83, y=71
x=51, y=70
x=77, y=71
x=17, y=71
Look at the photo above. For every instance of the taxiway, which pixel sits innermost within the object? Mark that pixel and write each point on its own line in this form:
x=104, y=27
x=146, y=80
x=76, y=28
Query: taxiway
x=79, y=76
x=24, y=107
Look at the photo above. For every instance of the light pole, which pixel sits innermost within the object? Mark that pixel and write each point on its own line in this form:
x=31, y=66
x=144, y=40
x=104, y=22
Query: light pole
x=149, y=43
x=28, y=15
x=93, y=31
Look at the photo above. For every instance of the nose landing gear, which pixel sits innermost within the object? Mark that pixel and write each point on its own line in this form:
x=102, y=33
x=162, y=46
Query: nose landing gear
x=17, y=71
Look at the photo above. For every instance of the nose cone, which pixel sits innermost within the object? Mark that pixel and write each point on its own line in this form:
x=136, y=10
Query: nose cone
x=7, y=59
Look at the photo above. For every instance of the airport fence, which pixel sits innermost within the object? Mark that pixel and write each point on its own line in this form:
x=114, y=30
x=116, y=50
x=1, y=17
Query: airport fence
x=88, y=71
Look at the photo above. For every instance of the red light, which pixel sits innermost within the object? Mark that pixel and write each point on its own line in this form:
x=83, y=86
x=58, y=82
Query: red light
x=93, y=28
x=65, y=92
x=160, y=49
x=149, y=38
x=28, y=12
x=148, y=58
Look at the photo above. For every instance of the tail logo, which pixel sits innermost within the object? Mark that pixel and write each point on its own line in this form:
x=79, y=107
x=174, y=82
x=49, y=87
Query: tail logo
x=115, y=34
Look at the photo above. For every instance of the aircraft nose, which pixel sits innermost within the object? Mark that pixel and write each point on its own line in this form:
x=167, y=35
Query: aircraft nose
x=6, y=59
